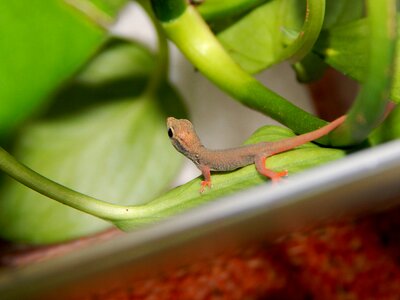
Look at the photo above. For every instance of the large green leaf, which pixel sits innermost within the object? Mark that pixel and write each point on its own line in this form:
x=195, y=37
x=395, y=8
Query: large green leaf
x=43, y=42
x=342, y=12
x=101, y=137
x=212, y=10
x=343, y=47
x=108, y=7
x=257, y=40
x=261, y=38
x=188, y=196
x=312, y=67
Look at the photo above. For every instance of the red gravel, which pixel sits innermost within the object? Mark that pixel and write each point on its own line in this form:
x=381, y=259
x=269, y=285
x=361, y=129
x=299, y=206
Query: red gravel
x=348, y=259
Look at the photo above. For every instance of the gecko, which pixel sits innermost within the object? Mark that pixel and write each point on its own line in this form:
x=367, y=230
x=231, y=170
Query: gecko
x=185, y=139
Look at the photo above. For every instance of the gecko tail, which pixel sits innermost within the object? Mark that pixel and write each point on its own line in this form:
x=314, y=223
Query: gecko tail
x=290, y=143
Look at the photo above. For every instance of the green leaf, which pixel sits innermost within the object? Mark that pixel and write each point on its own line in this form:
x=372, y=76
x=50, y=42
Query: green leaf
x=217, y=9
x=257, y=40
x=187, y=196
x=43, y=43
x=343, y=48
x=369, y=107
x=263, y=37
x=342, y=11
x=388, y=130
x=312, y=67
x=100, y=137
x=109, y=7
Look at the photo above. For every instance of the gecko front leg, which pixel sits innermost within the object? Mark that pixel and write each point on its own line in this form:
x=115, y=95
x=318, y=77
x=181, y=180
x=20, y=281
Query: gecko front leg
x=207, y=177
x=260, y=167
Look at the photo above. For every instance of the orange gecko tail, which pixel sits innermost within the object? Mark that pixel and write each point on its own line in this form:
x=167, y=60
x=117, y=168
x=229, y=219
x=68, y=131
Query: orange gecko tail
x=290, y=143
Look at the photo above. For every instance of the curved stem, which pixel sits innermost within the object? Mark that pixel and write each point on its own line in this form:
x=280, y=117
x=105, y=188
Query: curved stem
x=62, y=194
x=314, y=19
x=369, y=106
x=192, y=35
x=299, y=48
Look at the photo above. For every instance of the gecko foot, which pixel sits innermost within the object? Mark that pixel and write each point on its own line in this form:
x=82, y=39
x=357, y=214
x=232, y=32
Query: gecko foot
x=274, y=176
x=277, y=176
x=204, y=184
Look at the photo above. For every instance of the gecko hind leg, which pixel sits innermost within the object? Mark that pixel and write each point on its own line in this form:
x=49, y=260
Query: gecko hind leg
x=274, y=176
x=207, y=178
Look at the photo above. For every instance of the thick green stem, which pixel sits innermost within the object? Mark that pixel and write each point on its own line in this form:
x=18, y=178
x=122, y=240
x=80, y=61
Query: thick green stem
x=168, y=10
x=51, y=189
x=369, y=106
x=192, y=35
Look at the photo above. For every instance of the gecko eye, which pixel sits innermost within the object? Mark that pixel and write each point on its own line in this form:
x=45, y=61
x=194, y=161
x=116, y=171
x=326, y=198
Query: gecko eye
x=170, y=132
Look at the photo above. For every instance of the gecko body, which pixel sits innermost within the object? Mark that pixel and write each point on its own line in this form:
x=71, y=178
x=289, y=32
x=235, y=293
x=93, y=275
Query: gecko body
x=185, y=139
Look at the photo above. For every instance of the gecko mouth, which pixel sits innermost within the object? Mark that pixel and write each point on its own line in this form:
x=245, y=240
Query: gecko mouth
x=179, y=147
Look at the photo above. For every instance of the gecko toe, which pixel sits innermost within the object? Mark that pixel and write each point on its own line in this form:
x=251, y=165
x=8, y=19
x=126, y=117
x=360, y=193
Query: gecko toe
x=204, y=184
x=277, y=176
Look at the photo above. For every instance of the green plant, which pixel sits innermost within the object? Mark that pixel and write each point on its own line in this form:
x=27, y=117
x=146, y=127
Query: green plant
x=104, y=101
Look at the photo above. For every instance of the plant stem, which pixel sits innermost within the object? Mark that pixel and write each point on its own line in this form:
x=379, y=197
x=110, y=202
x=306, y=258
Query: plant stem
x=62, y=194
x=369, y=106
x=309, y=34
x=192, y=35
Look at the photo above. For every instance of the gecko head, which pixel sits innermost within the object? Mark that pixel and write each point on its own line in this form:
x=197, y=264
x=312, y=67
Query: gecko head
x=182, y=135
